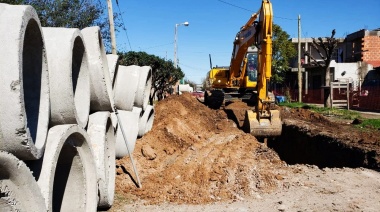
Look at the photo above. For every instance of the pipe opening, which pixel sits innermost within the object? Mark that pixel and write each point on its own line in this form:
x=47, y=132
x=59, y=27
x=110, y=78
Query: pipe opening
x=34, y=63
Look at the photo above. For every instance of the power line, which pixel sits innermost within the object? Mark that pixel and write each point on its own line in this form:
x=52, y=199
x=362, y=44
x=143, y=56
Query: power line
x=200, y=69
x=236, y=6
x=151, y=47
x=124, y=26
x=233, y=5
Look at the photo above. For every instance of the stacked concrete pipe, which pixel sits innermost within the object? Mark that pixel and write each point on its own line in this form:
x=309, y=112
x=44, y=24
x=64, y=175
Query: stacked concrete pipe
x=68, y=174
x=18, y=188
x=130, y=121
x=68, y=76
x=113, y=65
x=102, y=140
x=55, y=115
x=143, y=87
x=24, y=105
x=126, y=84
x=146, y=120
x=101, y=86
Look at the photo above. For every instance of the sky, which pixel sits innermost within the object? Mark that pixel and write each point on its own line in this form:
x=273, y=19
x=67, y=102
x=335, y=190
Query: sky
x=213, y=24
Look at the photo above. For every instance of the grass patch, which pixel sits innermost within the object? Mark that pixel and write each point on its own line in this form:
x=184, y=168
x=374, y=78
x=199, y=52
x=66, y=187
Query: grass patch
x=341, y=113
x=370, y=123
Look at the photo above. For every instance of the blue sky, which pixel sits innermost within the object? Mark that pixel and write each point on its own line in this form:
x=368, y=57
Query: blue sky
x=214, y=23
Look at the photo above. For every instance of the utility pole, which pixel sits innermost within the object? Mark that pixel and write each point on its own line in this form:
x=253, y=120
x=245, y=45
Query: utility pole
x=112, y=27
x=299, y=61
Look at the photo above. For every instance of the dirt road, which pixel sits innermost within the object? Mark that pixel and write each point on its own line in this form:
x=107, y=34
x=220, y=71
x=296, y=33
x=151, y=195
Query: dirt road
x=196, y=159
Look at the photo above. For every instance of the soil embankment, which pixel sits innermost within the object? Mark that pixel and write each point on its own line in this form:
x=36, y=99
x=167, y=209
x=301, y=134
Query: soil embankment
x=198, y=157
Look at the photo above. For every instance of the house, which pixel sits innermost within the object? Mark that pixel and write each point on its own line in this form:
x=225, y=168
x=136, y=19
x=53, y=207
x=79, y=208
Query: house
x=356, y=60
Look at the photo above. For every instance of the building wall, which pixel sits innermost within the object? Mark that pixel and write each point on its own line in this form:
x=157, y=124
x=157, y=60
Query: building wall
x=371, y=48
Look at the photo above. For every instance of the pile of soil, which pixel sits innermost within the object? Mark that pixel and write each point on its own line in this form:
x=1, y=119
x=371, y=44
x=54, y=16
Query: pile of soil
x=197, y=155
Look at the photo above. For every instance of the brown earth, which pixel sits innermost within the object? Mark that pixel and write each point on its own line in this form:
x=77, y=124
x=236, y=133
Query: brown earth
x=197, y=156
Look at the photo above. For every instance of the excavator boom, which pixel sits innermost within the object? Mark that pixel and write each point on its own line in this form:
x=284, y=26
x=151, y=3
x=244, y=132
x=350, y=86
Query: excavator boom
x=247, y=80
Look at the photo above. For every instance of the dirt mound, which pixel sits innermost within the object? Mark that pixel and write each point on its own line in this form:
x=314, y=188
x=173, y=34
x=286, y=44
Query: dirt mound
x=303, y=114
x=197, y=155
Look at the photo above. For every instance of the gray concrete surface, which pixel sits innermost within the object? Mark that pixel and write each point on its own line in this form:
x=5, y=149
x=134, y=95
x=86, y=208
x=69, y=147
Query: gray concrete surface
x=102, y=140
x=125, y=87
x=113, y=66
x=24, y=105
x=143, y=87
x=68, y=173
x=130, y=121
x=100, y=81
x=69, y=78
x=18, y=189
x=146, y=120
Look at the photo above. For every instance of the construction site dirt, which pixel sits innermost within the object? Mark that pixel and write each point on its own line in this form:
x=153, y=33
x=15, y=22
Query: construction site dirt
x=197, y=159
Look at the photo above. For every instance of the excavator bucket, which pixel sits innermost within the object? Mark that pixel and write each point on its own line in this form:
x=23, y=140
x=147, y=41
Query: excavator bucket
x=266, y=127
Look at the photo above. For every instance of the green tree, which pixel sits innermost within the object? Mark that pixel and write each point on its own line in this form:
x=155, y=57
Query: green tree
x=72, y=14
x=328, y=45
x=11, y=1
x=164, y=75
x=282, y=51
x=191, y=83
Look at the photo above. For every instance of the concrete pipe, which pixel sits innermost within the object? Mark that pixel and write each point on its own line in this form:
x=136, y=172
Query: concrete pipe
x=68, y=76
x=113, y=66
x=146, y=120
x=100, y=81
x=18, y=188
x=24, y=104
x=68, y=173
x=143, y=88
x=102, y=140
x=130, y=121
x=125, y=88
x=114, y=121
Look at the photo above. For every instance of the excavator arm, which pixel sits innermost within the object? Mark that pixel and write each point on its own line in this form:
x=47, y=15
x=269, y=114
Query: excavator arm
x=238, y=81
x=266, y=121
x=244, y=39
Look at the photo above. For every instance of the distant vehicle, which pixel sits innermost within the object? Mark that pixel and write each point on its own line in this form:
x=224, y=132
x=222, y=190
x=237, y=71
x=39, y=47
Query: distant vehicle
x=198, y=94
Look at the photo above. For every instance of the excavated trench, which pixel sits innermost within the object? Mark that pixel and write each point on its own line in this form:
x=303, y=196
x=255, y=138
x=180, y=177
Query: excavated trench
x=299, y=146
x=295, y=146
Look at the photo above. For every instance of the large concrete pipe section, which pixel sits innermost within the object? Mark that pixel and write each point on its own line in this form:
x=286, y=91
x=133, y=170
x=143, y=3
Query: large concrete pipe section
x=68, y=76
x=18, y=188
x=101, y=85
x=143, y=88
x=68, y=173
x=24, y=83
x=102, y=140
x=130, y=121
x=146, y=120
x=149, y=123
x=113, y=65
x=125, y=88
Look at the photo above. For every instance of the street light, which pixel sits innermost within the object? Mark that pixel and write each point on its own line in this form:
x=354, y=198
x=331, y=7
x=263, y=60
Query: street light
x=175, y=41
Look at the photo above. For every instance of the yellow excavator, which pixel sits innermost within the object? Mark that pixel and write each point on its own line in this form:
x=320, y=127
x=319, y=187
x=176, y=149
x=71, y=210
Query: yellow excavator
x=248, y=76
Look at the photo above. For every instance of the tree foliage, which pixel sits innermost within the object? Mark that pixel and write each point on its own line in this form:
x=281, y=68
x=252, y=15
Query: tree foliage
x=282, y=51
x=191, y=83
x=72, y=14
x=327, y=45
x=164, y=75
